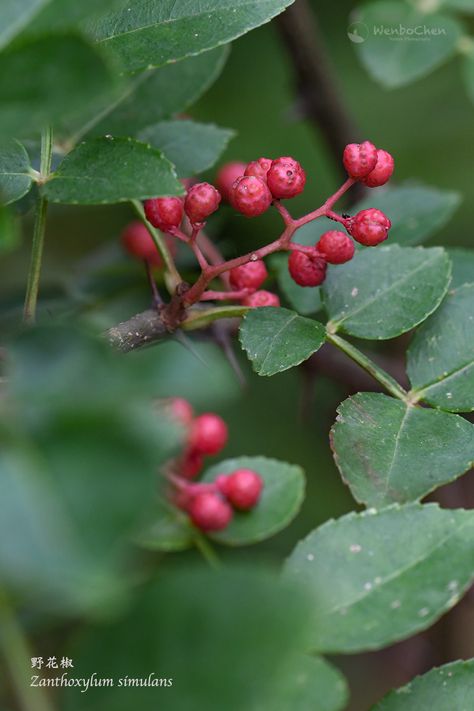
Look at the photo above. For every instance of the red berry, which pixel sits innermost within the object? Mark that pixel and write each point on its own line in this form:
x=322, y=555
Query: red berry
x=248, y=276
x=307, y=269
x=250, y=196
x=261, y=298
x=259, y=168
x=138, y=242
x=243, y=488
x=335, y=247
x=191, y=464
x=208, y=434
x=164, y=213
x=180, y=409
x=369, y=227
x=382, y=171
x=359, y=159
x=201, y=201
x=227, y=176
x=209, y=511
x=286, y=178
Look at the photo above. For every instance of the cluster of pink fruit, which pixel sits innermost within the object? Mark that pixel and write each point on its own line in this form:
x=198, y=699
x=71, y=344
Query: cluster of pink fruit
x=251, y=189
x=210, y=505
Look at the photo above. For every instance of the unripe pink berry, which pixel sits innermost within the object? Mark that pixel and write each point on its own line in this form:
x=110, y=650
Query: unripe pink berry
x=248, y=276
x=250, y=196
x=164, y=213
x=335, y=247
x=209, y=511
x=243, y=488
x=307, y=269
x=227, y=176
x=286, y=178
x=359, y=159
x=201, y=201
x=369, y=227
x=382, y=171
x=180, y=409
x=138, y=242
x=261, y=298
x=208, y=434
x=259, y=168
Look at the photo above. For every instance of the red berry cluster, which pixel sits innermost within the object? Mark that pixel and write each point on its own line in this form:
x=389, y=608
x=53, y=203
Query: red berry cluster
x=209, y=505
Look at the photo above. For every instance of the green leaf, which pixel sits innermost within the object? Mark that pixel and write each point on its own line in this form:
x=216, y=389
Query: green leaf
x=9, y=231
x=277, y=339
x=390, y=452
x=368, y=574
x=402, y=44
x=386, y=291
x=312, y=684
x=468, y=74
x=15, y=179
x=68, y=14
x=226, y=638
x=280, y=501
x=14, y=15
x=145, y=35
x=416, y=211
x=160, y=93
x=46, y=80
x=108, y=170
x=442, y=689
x=440, y=360
x=305, y=300
x=191, y=147
x=463, y=266
x=168, y=529
x=461, y=5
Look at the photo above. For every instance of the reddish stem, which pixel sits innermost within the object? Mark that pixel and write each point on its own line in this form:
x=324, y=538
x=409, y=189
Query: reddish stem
x=225, y=295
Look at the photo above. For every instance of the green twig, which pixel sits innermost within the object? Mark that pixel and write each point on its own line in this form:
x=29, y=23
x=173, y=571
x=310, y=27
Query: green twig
x=173, y=277
x=389, y=383
x=17, y=655
x=208, y=552
x=34, y=273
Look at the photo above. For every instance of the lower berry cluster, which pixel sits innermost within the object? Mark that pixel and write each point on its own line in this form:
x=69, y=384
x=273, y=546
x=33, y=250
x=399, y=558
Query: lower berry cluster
x=210, y=505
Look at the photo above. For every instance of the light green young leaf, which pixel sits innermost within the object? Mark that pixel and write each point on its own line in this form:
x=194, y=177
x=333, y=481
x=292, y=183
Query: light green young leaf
x=367, y=574
x=15, y=178
x=191, y=147
x=108, y=170
x=276, y=339
x=416, y=211
x=441, y=355
x=446, y=688
x=386, y=291
x=401, y=44
x=390, y=452
x=281, y=499
x=145, y=34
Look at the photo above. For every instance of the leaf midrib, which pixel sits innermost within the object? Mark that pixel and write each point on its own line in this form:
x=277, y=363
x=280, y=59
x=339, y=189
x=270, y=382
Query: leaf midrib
x=272, y=342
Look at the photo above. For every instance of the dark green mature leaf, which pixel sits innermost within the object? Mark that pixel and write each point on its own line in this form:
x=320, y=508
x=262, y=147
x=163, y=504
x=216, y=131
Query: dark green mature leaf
x=442, y=689
x=386, y=291
x=280, y=501
x=108, y=170
x=14, y=15
x=305, y=300
x=402, y=44
x=168, y=529
x=15, y=178
x=441, y=355
x=9, y=230
x=368, y=572
x=191, y=147
x=145, y=34
x=463, y=266
x=230, y=635
x=277, y=339
x=45, y=80
x=152, y=96
x=390, y=452
x=416, y=211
